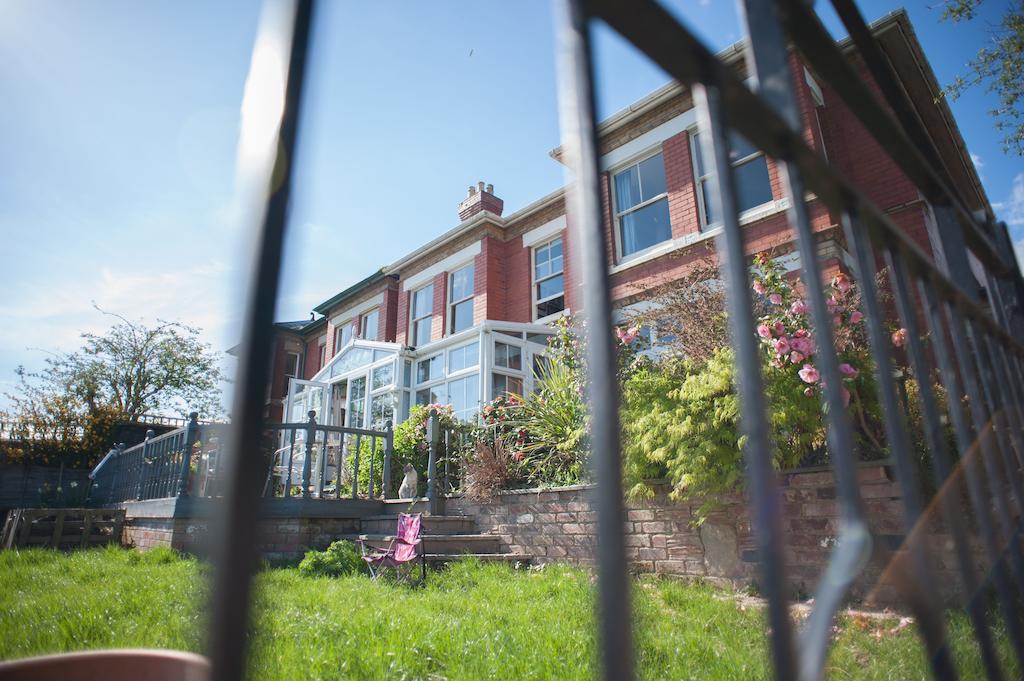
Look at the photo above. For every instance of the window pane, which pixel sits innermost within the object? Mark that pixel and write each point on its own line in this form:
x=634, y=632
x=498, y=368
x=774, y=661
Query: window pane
x=382, y=410
x=550, y=287
x=710, y=215
x=501, y=384
x=430, y=395
x=541, y=365
x=423, y=302
x=752, y=184
x=421, y=332
x=627, y=189
x=368, y=327
x=460, y=358
x=383, y=376
x=698, y=157
x=652, y=176
x=461, y=284
x=543, y=269
x=428, y=369
x=508, y=356
x=645, y=227
x=464, y=396
x=739, y=147
x=550, y=306
x=462, y=316
x=556, y=249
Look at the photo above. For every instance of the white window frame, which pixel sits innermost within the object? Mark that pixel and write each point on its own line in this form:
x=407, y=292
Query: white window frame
x=535, y=301
x=298, y=363
x=698, y=181
x=521, y=373
x=450, y=316
x=362, y=323
x=339, y=332
x=413, y=319
x=617, y=215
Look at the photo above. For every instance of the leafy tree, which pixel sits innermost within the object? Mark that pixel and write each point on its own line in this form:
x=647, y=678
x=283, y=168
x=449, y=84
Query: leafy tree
x=999, y=65
x=68, y=411
x=134, y=369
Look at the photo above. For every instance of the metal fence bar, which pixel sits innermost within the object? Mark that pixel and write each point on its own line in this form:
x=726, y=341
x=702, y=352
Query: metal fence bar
x=943, y=466
x=919, y=587
x=757, y=452
x=577, y=114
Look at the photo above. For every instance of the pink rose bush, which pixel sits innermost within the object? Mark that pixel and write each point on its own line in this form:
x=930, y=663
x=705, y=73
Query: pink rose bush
x=787, y=333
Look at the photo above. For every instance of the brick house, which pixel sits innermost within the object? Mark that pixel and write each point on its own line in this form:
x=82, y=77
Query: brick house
x=466, y=316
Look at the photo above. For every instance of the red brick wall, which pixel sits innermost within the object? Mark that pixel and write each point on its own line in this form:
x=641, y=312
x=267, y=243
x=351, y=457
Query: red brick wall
x=389, y=317
x=438, y=324
x=682, y=193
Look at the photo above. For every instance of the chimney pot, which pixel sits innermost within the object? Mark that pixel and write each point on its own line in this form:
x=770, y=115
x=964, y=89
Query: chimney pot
x=479, y=199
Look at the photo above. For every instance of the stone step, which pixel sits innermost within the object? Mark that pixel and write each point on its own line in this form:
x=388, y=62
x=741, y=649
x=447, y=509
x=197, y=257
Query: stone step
x=447, y=544
x=441, y=558
x=432, y=524
x=419, y=505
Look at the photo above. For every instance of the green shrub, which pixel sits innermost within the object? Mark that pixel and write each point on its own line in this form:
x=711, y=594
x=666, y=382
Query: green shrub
x=339, y=559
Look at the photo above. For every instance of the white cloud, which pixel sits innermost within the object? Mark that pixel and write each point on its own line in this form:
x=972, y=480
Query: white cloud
x=978, y=164
x=1011, y=211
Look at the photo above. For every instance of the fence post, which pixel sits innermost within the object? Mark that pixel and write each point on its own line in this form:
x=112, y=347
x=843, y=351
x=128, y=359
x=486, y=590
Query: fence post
x=433, y=437
x=143, y=473
x=307, y=463
x=191, y=432
x=389, y=441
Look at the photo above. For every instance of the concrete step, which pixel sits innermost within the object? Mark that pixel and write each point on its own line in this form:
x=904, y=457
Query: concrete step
x=432, y=524
x=446, y=544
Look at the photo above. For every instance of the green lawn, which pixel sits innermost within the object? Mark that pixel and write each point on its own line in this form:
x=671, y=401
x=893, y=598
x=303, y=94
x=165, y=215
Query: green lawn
x=470, y=622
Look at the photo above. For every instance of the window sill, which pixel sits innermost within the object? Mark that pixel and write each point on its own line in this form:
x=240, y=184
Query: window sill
x=654, y=252
x=551, y=318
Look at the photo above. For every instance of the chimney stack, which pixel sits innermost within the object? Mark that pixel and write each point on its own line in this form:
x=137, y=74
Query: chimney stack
x=478, y=199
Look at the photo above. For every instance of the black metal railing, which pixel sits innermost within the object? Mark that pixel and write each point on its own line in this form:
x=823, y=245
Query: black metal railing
x=330, y=461
x=971, y=342
x=301, y=459
x=967, y=300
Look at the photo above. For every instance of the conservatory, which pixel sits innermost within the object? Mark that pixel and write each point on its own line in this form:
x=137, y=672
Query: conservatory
x=369, y=383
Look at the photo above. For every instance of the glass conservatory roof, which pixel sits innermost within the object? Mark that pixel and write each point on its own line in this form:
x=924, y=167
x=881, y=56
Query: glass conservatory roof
x=357, y=355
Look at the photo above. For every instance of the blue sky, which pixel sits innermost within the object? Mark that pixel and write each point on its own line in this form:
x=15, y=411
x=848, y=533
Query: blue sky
x=120, y=119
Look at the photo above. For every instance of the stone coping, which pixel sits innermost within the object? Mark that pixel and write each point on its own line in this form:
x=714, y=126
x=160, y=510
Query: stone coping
x=657, y=482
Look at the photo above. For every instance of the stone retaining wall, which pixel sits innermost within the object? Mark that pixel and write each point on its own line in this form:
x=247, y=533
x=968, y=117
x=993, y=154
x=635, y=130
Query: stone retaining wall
x=559, y=524
x=276, y=538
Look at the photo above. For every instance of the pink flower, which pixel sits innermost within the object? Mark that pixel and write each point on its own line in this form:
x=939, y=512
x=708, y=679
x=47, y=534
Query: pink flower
x=800, y=333
x=842, y=282
x=832, y=303
x=798, y=307
x=837, y=321
x=782, y=345
x=809, y=374
x=856, y=316
x=802, y=344
x=759, y=287
x=795, y=357
x=763, y=331
x=899, y=337
x=775, y=299
x=848, y=370
x=628, y=336
x=780, y=329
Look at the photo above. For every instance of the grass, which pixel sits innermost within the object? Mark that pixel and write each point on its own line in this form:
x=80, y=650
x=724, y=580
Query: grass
x=470, y=622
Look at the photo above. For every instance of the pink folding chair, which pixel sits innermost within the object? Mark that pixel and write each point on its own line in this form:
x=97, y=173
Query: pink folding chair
x=394, y=552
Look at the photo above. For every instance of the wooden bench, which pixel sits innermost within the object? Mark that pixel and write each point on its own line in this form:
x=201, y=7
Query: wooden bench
x=61, y=528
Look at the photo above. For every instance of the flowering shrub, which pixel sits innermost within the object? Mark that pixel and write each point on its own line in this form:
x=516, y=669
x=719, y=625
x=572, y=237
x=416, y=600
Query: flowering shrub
x=790, y=344
x=411, y=445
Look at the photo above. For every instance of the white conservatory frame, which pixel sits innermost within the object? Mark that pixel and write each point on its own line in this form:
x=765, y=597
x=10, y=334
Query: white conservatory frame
x=375, y=356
